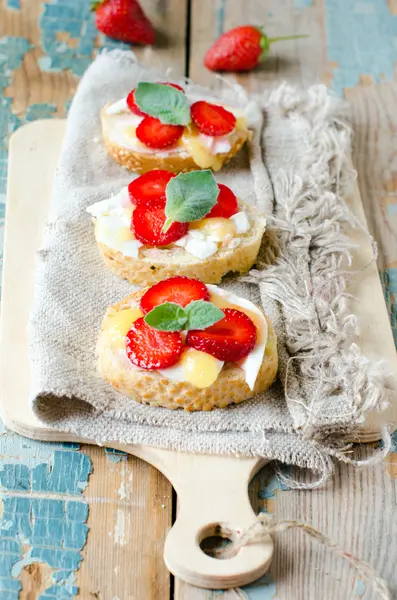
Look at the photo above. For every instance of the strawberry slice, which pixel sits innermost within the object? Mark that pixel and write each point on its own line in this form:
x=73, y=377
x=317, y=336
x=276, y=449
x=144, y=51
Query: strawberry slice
x=212, y=119
x=230, y=339
x=147, y=222
x=150, y=186
x=151, y=349
x=132, y=105
x=155, y=134
x=226, y=203
x=180, y=290
x=174, y=85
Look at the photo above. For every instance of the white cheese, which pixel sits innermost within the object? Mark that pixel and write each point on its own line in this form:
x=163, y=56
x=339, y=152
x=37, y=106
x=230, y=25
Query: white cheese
x=241, y=222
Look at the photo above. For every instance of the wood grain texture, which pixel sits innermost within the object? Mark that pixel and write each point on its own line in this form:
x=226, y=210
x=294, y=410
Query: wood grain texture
x=355, y=508
x=358, y=507
x=130, y=502
x=130, y=507
x=31, y=84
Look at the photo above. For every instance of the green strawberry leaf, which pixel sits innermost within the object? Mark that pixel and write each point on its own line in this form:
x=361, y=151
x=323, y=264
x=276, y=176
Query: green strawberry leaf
x=167, y=317
x=164, y=102
x=190, y=196
x=202, y=314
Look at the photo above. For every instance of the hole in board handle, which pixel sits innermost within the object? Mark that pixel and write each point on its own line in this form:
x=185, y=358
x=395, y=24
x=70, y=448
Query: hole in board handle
x=214, y=537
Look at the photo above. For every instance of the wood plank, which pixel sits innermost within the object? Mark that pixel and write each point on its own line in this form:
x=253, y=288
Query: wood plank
x=33, y=83
x=130, y=508
x=360, y=500
x=293, y=60
x=130, y=492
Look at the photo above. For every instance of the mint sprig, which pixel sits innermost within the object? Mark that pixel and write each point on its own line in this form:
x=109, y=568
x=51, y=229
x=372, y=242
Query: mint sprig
x=164, y=102
x=169, y=316
x=190, y=196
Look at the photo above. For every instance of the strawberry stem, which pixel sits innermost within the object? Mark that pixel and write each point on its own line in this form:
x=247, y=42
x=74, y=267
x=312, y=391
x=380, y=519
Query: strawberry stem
x=287, y=37
x=95, y=4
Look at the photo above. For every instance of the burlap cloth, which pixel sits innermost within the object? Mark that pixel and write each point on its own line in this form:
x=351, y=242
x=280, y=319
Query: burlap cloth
x=295, y=171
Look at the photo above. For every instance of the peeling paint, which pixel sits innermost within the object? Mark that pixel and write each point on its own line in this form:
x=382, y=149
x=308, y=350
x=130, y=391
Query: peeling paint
x=389, y=282
x=82, y=40
x=114, y=455
x=27, y=559
x=121, y=490
x=48, y=523
x=359, y=588
x=394, y=442
x=301, y=4
x=13, y=4
x=12, y=51
x=220, y=18
x=119, y=529
x=261, y=589
x=43, y=110
x=361, y=40
x=273, y=484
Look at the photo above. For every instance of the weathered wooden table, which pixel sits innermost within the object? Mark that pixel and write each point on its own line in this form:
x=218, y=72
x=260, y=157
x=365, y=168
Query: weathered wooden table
x=84, y=522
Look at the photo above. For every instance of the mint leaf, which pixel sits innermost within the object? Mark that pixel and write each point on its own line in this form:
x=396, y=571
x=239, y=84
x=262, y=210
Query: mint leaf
x=164, y=102
x=202, y=314
x=167, y=317
x=190, y=196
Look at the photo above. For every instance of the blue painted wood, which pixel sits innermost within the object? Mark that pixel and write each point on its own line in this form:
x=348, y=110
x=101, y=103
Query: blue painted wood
x=43, y=511
x=361, y=40
x=41, y=484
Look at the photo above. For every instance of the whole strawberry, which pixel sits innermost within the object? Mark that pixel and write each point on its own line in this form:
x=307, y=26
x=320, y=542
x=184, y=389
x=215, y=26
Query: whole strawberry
x=123, y=20
x=241, y=49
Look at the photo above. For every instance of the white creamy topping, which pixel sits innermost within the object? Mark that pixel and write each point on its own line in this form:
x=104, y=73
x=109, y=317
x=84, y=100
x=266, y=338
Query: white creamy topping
x=197, y=244
x=215, y=144
x=118, y=107
x=119, y=131
x=241, y=222
x=233, y=243
x=105, y=207
x=107, y=232
x=201, y=248
x=252, y=363
x=113, y=217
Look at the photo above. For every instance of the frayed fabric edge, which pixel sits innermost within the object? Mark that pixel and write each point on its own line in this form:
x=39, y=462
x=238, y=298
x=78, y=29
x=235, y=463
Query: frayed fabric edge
x=310, y=217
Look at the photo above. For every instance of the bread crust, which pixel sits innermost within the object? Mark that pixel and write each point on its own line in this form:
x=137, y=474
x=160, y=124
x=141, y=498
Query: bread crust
x=151, y=387
x=140, y=162
x=155, y=264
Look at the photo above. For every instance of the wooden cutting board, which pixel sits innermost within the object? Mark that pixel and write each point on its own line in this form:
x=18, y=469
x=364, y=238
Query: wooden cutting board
x=204, y=484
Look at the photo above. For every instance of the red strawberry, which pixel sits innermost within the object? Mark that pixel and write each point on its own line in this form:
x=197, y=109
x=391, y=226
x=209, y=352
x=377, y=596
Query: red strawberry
x=150, y=186
x=212, y=119
x=180, y=290
x=132, y=105
x=175, y=85
x=226, y=204
x=240, y=49
x=147, y=223
x=150, y=349
x=123, y=20
x=153, y=133
x=230, y=339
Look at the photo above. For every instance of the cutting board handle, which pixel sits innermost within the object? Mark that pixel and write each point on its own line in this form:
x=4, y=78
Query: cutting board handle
x=212, y=491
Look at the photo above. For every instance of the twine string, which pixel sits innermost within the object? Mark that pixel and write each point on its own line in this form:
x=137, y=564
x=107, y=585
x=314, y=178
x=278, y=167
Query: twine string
x=266, y=525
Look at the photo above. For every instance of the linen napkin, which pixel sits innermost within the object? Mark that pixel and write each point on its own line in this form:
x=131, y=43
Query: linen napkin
x=294, y=171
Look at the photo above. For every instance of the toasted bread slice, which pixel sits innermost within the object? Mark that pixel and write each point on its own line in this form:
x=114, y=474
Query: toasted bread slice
x=176, y=161
x=151, y=387
x=155, y=264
